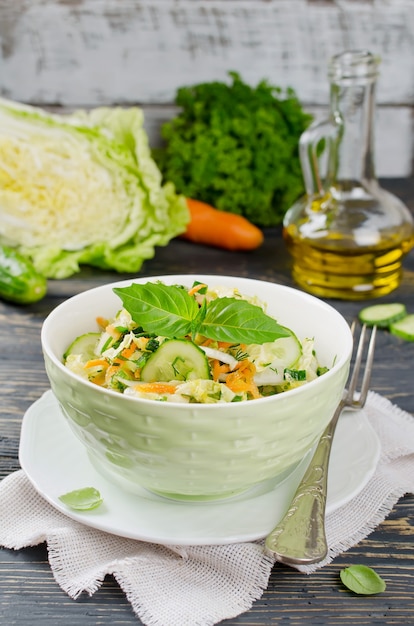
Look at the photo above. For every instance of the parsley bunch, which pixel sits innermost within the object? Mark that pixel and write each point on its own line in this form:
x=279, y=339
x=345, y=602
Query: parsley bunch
x=236, y=147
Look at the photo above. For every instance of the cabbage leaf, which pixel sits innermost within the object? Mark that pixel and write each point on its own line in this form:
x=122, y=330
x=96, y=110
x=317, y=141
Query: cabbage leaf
x=83, y=189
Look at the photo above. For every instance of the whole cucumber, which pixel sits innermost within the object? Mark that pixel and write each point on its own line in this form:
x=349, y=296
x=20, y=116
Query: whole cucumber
x=20, y=282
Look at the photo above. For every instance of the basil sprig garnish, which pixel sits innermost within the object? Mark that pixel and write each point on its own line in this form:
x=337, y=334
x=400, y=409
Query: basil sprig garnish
x=169, y=311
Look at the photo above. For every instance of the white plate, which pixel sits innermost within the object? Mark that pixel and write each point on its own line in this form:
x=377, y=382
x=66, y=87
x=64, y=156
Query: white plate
x=56, y=462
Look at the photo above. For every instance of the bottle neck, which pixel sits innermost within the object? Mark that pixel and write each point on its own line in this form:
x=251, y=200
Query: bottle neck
x=352, y=103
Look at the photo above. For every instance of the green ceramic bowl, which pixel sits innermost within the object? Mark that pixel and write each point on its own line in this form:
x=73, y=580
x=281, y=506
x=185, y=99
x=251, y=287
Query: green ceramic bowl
x=199, y=451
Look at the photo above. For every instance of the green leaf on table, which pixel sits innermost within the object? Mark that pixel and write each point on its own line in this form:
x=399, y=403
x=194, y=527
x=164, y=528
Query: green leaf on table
x=84, y=499
x=165, y=310
x=362, y=580
x=239, y=321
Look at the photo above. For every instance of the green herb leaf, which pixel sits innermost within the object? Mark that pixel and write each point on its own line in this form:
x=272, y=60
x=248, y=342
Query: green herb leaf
x=165, y=310
x=82, y=499
x=171, y=312
x=197, y=321
x=239, y=321
x=362, y=580
x=295, y=374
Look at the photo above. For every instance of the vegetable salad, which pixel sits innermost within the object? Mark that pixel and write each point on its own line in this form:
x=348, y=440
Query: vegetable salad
x=206, y=361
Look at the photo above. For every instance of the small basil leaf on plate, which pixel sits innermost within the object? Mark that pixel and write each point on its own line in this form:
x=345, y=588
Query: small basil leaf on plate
x=362, y=580
x=84, y=499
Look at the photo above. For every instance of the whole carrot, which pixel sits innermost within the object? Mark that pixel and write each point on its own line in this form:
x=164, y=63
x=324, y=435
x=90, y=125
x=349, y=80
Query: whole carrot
x=220, y=229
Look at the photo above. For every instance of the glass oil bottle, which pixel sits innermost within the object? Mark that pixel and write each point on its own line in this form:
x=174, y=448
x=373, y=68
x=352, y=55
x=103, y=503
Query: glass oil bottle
x=348, y=235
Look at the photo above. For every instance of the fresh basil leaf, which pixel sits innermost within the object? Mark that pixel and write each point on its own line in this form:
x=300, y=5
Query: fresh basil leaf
x=197, y=321
x=362, y=580
x=165, y=310
x=82, y=499
x=169, y=311
x=239, y=321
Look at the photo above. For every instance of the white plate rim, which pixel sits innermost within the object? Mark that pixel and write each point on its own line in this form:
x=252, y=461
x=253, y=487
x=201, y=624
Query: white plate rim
x=48, y=449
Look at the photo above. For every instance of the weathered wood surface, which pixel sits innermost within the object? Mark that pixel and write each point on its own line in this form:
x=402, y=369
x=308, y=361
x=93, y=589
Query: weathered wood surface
x=94, y=52
x=97, y=51
x=29, y=595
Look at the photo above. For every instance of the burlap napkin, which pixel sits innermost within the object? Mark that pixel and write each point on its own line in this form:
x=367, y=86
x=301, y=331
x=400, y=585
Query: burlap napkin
x=201, y=585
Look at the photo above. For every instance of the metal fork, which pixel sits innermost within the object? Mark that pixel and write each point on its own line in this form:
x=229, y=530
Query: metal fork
x=299, y=538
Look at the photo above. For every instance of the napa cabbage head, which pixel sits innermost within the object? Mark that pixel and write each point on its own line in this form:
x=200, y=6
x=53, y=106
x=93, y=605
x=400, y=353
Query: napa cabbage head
x=83, y=189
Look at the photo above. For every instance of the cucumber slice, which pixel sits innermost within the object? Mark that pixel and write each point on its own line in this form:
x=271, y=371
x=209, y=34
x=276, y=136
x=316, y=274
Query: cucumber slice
x=286, y=351
x=84, y=345
x=382, y=315
x=404, y=328
x=176, y=359
x=283, y=352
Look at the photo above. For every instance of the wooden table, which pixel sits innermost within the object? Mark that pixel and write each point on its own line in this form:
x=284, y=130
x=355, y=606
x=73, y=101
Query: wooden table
x=28, y=592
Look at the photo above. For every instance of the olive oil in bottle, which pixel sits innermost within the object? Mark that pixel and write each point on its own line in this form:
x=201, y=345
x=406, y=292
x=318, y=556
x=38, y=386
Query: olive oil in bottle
x=347, y=236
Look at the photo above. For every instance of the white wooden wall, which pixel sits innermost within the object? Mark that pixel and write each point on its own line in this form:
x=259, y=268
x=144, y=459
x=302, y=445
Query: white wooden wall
x=91, y=52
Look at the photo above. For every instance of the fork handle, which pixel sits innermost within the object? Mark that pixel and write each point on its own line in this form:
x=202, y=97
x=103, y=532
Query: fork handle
x=299, y=538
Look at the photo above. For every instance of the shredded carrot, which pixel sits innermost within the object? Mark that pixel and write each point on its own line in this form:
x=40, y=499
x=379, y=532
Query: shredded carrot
x=255, y=391
x=156, y=388
x=102, y=322
x=219, y=368
x=141, y=342
x=112, y=371
x=129, y=351
x=223, y=345
x=99, y=379
x=196, y=289
x=241, y=379
x=96, y=363
x=243, y=367
x=111, y=330
x=241, y=385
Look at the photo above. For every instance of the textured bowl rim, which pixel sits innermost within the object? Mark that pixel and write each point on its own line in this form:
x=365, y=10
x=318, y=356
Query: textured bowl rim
x=189, y=277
